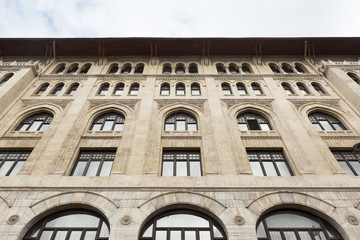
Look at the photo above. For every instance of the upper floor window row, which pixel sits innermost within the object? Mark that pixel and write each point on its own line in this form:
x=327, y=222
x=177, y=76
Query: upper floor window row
x=180, y=89
x=242, y=89
x=302, y=88
x=286, y=68
x=126, y=68
x=234, y=68
x=74, y=68
x=118, y=89
x=354, y=77
x=5, y=78
x=57, y=89
x=36, y=122
x=179, y=68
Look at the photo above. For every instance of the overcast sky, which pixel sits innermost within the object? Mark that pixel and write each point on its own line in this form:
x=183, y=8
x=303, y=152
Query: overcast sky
x=179, y=18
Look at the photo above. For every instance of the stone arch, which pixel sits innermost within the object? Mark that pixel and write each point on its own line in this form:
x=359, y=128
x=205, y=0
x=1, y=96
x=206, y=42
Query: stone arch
x=190, y=198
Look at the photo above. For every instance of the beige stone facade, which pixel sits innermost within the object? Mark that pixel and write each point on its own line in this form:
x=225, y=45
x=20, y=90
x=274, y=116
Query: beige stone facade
x=227, y=188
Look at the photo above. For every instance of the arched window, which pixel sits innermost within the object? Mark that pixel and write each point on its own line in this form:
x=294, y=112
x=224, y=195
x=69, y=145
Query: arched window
x=60, y=68
x=182, y=224
x=119, y=89
x=72, y=89
x=36, y=122
x=179, y=69
x=294, y=224
x=220, y=68
x=104, y=89
x=134, y=89
x=241, y=89
x=126, y=69
x=274, y=68
x=252, y=121
x=354, y=77
x=180, y=89
x=318, y=88
x=287, y=88
x=256, y=89
x=181, y=122
x=167, y=68
x=165, y=89
x=57, y=89
x=111, y=121
x=303, y=89
x=73, y=68
x=233, y=68
x=139, y=68
x=85, y=68
x=226, y=89
x=114, y=68
x=71, y=224
x=6, y=78
x=325, y=122
x=300, y=68
x=193, y=68
x=287, y=68
x=246, y=68
x=195, y=89
x=42, y=89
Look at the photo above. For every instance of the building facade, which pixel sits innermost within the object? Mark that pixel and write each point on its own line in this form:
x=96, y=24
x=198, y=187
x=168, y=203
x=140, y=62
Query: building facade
x=179, y=139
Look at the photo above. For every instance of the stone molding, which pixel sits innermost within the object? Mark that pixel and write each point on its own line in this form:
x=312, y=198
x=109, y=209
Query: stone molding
x=6, y=201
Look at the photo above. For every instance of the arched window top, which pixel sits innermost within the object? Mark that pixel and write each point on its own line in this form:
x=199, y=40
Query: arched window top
x=72, y=89
x=73, y=68
x=180, y=69
x=289, y=223
x=119, y=89
x=42, y=89
x=76, y=223
x=318, y=88
x=139, y=68
x=256, y=89
x=36, y=122
x=287, y=68
x=183, y=224
x=241, y=88
x=252, y=121
x=165, y=89
x=6, y=78
x=233, y=68
x=180, y=89
x=303, y=89
x=287, y=88
x=126, y=68
x=57, y=89
x=167, y=68
x=60, y=68
x=114, y=68
x=325, y=122
x=181, y=121
x=134, y=89
x=274, y=67
x=226, y=89
x=85, y=68
x=193, y=68
x=111, y=121
x=195, y=89
x=220, y=68
x=300, y=68
x=245, y=67
x=354, y=77
x=104, y=88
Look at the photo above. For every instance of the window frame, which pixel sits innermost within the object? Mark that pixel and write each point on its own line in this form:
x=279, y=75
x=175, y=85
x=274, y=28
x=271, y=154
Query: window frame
x=241, y=90
x=165, y=87
x=103, y=89
x=4, y=159
x=106, y=117
x=355, y=158
x=258, y=118
x=175, y=160
x=119, y=88
x=193, y=86
x=189, y=119
x=134, y=89
x=40, y=90
x=57, y=89
x=255, y=87
x=89, y=160
x=180, y=87
x=48, y=119
x=226, y=89
x=71, y=91
x=314, y=120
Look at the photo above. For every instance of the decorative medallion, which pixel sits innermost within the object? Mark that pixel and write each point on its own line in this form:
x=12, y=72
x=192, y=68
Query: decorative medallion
x=126, y=220
x=352, y=220
x=13, y=219
x=239, y=220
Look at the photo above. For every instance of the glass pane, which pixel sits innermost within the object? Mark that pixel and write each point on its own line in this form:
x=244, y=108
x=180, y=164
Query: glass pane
x=192, y=126
x=93, y=168
x=326, y=125
x=195, y=169
x=217, y=233
x=90, y=235
x=275, y=235
x=243, y=126
x=290, y=220
x=175, y=235
x=190, y=235
x=195, y=92
x=75, y=235
x=46, y=235
x=35, y=125
x=104, y=232
x=106, y=168
x=337, y=126
x=168, y=169
x=160, y=235
x=5, y=167
x=269, y=169
x=260, y=231
x=44, y=127
x=182, y=220
x=356, y=166
x=283, y=169
x=264, y=126
x=108, y=125
x=79, y=170
x=74, y=220
x=61, y=235
x=180, y=125
x=148, y=232
x=205, y=235
x=118, y=127
x=256, y=169
x=317, y=126
x=304, y=236
x=181, y=169
x=346, y=168
x=169, y=127
x=134, y=92
x=319, y=235
x=24, y=127
x=96, y=127
x=17, y=168
x=226, y=92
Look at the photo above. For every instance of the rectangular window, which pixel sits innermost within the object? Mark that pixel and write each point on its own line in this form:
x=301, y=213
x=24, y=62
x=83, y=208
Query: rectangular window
x=12, y=161
x=268, y=163
x=349, y=161
x=181, y=163
x=94, y=163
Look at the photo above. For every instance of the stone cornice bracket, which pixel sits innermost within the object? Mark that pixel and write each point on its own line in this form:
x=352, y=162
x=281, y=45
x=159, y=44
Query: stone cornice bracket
x=101, y=53
x=206, y=52
x=258, y=53
x=153, y=52
x=50, y=52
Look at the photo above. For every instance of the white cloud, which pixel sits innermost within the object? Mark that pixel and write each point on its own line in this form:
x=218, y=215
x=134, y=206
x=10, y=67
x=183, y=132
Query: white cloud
x=178, y=18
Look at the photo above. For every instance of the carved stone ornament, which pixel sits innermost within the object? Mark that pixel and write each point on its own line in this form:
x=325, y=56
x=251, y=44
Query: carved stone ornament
x=239, y=220
x=13, y=219
x=126, y=220
x=352, y=220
